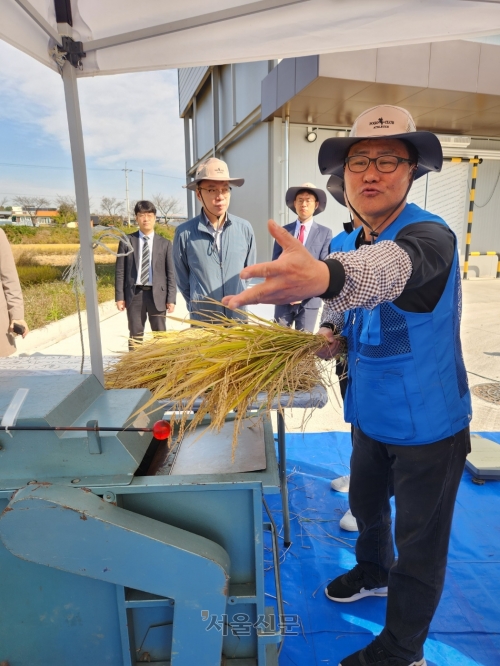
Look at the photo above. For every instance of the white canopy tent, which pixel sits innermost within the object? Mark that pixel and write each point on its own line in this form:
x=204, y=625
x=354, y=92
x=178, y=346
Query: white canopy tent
x=93, y=37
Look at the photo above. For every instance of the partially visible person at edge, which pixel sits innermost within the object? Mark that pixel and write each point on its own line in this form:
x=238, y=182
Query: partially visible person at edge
x=305, y=201
x=145, y=279
x=407, y=396
x=11, y=300
x=211, y=249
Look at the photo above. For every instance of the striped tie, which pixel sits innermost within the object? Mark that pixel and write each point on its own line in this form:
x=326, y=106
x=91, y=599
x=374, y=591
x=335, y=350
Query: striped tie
x=145, y=261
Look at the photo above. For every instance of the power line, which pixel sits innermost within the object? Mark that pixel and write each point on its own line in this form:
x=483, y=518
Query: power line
x=47, y=166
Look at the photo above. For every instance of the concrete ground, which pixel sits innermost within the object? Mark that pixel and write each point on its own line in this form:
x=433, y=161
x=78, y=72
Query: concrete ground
x=480, y=339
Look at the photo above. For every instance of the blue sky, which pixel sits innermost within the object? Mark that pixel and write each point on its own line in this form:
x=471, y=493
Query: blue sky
x=128, y=117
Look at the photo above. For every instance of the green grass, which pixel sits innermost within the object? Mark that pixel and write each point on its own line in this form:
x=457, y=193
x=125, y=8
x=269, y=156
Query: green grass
x=29, y=275
x=63, y=235
x=45, y=302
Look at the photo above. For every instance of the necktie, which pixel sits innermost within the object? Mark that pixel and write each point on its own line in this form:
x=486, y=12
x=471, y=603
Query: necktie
x=302, y=232
x=145, y=261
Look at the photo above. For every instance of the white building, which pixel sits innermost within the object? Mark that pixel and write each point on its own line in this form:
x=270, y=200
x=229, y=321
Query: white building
x=257, y=117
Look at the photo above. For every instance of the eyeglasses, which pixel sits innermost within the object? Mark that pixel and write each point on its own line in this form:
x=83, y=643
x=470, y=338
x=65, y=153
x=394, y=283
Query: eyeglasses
x=307, y=202
x=384, y=163
x=223, y=192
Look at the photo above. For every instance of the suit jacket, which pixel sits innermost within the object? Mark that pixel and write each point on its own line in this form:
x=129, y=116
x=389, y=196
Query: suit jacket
x=164, y=289
x=318, y=244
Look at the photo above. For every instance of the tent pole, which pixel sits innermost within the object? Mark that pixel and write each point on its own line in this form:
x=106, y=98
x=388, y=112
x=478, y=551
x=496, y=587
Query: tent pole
x=83, y=211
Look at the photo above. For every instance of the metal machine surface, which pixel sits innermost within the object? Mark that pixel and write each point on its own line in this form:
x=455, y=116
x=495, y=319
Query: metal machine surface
x=103, y=567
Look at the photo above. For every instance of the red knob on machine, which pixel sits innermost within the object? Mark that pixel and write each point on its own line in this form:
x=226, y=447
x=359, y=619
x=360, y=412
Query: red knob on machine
x=161, y=430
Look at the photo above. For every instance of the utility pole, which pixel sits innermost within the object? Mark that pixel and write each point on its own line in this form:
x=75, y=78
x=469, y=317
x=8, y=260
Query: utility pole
x=126, y=193
x=142, y=184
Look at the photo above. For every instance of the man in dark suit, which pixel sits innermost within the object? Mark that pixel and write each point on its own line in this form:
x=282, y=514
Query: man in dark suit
x=145, y=279
x=306, y=201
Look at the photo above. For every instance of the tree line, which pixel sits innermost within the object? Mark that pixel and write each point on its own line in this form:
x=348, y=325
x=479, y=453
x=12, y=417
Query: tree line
x=110, y=210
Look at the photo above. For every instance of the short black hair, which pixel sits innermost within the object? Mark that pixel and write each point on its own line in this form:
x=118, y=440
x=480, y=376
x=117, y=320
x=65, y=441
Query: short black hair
x=308, y=192
x=144, y=207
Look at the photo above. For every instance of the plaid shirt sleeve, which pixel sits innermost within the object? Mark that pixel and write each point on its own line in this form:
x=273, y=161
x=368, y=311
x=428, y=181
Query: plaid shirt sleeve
x=374, y=274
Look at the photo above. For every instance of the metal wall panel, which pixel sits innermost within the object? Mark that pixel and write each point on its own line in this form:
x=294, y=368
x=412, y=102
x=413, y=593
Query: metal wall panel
x=248, y=159
x=248, y=77
x=286, y=80
x=204, y=120
x=225, y=101
x=306, y=70
x=269, y=93
x=486, y=226
x=189, y=79
x=445, y=194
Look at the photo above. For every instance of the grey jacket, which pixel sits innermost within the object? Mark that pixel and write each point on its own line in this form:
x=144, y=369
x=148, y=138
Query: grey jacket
x=201, y=273
x=318, y=244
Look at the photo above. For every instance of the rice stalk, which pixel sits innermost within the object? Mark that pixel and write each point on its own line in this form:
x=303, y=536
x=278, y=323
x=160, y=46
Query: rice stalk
x=226, y=363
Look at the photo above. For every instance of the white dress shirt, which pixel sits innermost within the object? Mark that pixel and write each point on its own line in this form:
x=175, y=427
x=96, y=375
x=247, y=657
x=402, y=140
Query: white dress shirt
x=307, y=224
x=139, y=259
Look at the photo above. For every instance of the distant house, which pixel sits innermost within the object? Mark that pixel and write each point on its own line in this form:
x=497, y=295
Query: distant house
x=16, y=217
x=42, y=216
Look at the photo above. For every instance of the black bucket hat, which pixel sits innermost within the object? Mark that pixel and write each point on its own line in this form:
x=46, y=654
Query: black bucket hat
x=320, y=195
x=382, y=122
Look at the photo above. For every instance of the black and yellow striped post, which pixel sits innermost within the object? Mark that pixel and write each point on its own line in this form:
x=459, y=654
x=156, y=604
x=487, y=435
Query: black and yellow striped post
x=474, y=161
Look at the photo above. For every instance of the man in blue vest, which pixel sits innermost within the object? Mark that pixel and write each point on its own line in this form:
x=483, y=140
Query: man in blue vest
x=407, y=395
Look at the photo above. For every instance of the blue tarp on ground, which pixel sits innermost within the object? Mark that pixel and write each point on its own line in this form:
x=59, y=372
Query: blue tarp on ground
x=466, y=628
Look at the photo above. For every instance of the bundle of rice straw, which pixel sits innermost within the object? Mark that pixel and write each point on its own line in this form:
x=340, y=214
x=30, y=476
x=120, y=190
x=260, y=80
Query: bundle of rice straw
x=226, y=364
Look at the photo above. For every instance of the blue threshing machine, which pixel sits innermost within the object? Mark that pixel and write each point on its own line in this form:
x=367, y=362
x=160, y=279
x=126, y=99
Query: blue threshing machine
x=101, y=566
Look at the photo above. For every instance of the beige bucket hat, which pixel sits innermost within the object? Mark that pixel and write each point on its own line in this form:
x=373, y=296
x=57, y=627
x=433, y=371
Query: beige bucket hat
x=382, y=122
x=320, y=195
x=213, y=169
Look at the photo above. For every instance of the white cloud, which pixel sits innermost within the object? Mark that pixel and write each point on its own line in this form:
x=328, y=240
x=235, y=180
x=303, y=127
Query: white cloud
x=130, y=117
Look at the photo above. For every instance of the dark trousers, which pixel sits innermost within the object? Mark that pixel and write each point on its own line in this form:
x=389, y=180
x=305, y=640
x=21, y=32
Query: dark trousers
x=426, y=480
x=142, y=306
x=303, y=318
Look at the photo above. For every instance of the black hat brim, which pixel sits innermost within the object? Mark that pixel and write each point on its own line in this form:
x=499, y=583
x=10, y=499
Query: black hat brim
x=335, y=186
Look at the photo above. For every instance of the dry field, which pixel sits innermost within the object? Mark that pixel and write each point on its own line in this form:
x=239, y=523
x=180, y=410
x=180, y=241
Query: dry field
x=46, y=296
x=58, y=254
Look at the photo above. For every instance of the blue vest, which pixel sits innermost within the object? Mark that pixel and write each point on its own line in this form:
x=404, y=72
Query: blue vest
x=407, y=379
x=338, y=241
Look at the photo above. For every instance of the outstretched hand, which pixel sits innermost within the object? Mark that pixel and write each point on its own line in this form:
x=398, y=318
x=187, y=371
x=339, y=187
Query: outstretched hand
x=294, y=276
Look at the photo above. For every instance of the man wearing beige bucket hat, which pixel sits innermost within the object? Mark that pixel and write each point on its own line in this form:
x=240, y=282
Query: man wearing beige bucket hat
x=395, y=294
x=306, y=201
x=211, y=249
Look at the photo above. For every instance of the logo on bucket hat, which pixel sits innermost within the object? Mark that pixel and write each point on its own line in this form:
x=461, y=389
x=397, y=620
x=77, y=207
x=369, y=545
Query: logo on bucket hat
x=380, y=123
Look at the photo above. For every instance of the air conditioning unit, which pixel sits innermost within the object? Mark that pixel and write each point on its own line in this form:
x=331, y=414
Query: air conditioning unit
x=454, y=141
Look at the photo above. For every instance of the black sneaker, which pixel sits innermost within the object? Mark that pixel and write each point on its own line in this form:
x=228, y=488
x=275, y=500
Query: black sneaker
x=375, y=654
x=352, y=586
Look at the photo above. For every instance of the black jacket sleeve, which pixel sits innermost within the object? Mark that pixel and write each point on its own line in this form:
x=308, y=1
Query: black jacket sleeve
x=120, y=274
x=431, y=247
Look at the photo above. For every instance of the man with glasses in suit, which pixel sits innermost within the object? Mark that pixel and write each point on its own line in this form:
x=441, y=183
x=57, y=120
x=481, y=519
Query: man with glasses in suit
x=306, y=201
x=145, y=279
